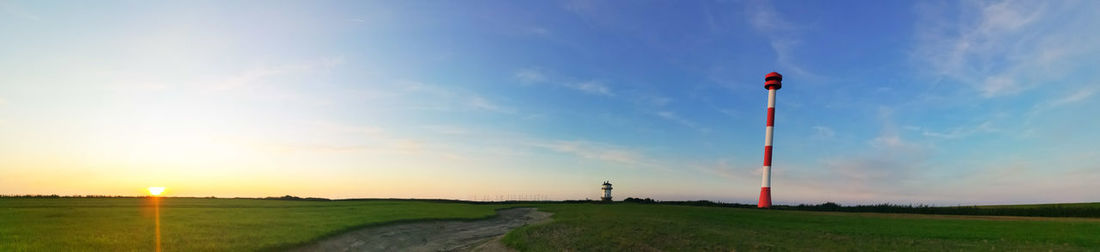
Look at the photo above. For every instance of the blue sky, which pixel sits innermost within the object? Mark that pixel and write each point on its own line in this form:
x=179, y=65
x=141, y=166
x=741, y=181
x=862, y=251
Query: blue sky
x=936, y=102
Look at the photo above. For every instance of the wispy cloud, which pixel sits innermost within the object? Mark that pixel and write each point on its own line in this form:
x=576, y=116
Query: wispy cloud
x=983, y=127
x=886, y=166
x=1002, y=47
x=782, y=34
x=822, y=132
x=537, y=31
x=599, y=151
x=484, y=104
x=889, y=138
x=446, y=129
x=652, y=100
x=258, y=75
x=1074, y=97
x=651, y=103
x=420, y=87
x=345, y=128
x=323, y=137
x=725, y=168
x=672, y=116
x=961, y=132
x=453, y=96
x=531, y=76
x=592, y=87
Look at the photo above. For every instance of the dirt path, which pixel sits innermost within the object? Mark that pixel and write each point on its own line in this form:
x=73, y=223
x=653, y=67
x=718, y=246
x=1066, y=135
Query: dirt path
x=433, y=235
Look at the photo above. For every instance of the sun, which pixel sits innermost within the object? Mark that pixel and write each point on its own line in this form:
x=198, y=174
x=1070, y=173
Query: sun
x=156, y=190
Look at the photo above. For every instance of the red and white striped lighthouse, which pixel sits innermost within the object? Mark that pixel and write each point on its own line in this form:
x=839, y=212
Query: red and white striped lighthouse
x=772, y=81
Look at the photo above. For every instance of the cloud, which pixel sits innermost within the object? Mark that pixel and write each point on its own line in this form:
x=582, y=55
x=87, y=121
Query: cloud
x=419, y=87
x=1063, y=177
x=283, y=147
x=781, y=33
x=483, y=104
x=1075, y=97
x=822, y=132
x=249, y=77
x=886, y=172
x=889, y=138
x=725, y=168
x=652, y=100
x=256, y=76
x=599, y=151
x=985, y=127
x=344, y=128
x=318, y=136
x=453, y=96
x=580, y=6
x=885, y=168
x=538, y=76
x=651, y=103
x=1003, y=47
x=763, y=17
x=537, y=31
x=530, y=76
x=672, y=116
x=586, y=9
x=390, y=147
x=592, y=87
x=447, y=129
x=869, y=171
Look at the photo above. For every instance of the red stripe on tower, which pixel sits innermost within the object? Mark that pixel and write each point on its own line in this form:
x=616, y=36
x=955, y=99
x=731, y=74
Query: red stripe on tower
x=772, y=82
x=771, y=117
x=767, y=156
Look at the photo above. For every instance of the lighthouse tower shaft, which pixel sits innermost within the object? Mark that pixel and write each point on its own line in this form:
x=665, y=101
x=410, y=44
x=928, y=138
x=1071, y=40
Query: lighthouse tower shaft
x=772, y=81
x=606, y=191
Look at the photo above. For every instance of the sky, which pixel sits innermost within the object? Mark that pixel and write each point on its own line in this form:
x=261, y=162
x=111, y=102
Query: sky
x=923, y=102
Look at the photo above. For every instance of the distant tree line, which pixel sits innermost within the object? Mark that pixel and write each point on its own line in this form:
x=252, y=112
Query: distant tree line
x=290, y=197
x=640, y=200
x=1052, y=210
x=63, y=196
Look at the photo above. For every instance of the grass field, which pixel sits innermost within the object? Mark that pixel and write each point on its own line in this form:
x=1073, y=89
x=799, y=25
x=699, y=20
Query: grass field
x=638, y=227
x=1095, y=205
x=127, y=224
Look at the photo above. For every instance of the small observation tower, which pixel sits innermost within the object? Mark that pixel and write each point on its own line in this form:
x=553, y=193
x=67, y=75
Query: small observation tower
x=606, y=191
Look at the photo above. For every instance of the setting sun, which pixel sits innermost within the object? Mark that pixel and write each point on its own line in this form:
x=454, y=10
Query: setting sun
x=156, y=190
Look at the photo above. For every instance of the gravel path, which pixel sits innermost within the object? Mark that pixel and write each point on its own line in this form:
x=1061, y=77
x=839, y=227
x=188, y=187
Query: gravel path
x=432, y=235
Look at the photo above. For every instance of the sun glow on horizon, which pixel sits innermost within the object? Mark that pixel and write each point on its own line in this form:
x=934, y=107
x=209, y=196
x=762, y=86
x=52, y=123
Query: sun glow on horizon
x=156, y=190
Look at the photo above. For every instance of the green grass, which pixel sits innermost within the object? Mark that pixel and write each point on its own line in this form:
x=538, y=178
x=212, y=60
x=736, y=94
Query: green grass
x=637, y=227
x=127, y=224
x=1095, y=205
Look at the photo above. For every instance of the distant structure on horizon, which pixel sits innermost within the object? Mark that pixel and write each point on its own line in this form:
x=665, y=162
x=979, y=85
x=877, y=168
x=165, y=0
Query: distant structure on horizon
x=772, y=82
x=606, y=191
